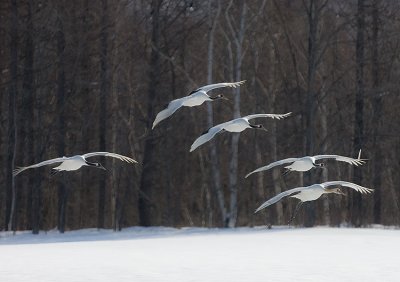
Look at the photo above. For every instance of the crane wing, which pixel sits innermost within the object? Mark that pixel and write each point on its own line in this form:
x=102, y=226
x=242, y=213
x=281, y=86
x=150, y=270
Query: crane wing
x=351, y=161
x=207, y=136
x=278, y=197
x=48, y=162
x=273, y=116
x=209, y=87
x=173, y=106
x=107, y=154
x=358, y=188
x=271, y=165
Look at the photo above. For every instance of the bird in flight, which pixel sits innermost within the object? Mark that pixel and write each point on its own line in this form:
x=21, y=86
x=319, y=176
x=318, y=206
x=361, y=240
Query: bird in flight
x=313, y=192
x=307, y=163
x=235, y=125
x=74, y=162
x=195, y=98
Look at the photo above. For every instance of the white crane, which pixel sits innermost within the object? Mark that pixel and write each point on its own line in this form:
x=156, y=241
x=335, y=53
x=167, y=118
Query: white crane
x=74, y=162
x=195, y=98
x=235, y=125
x=313, y=192
x=307, y=163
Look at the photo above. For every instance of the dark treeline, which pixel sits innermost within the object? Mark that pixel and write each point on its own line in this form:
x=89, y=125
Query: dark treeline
x=84, y=76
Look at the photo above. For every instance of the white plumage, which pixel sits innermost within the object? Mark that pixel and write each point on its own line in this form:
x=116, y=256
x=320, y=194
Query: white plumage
x=235, y=125
x=313, y=192
x=307, y=163
x=196, y=98
x=75, y=162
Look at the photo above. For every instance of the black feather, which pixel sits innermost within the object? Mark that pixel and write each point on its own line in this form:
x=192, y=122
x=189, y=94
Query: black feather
x=205, y=132
x=194, y=91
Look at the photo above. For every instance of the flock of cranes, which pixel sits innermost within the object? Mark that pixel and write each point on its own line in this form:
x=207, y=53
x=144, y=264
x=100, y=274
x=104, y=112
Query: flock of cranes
x=198, y=97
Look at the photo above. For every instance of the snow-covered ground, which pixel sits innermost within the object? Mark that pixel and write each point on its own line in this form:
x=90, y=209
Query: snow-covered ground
x=198, y=254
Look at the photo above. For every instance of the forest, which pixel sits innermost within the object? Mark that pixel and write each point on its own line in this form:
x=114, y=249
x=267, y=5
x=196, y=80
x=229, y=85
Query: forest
x=87, y=76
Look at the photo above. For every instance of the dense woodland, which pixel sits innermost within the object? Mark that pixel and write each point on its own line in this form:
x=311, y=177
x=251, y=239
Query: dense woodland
x=84, y=76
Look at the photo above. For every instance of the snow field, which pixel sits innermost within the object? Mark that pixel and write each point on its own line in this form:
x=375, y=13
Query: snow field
x=199, y=254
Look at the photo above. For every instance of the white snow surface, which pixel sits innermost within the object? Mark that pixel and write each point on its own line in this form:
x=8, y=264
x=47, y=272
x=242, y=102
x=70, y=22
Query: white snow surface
x=200, y=254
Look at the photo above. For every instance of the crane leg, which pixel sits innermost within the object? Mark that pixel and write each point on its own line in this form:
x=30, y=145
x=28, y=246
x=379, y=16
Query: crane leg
x=295, y=212
x=268, y=224
x=54, y=172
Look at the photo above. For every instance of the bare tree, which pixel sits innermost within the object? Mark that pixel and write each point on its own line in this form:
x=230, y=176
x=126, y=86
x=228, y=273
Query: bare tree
x=215, y=171
x=323, y=113
x=270, y=91
x=313, y=10
x=29, y=98
x=359, y=106
x=104, y=92
x=377, y=112
x=148, y=175
x=62, y=189
x=236, y=38
x=11, y=196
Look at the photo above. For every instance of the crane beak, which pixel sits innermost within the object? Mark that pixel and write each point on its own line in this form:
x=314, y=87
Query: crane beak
x=227, y=100
x=222, y=97
x=102, y=167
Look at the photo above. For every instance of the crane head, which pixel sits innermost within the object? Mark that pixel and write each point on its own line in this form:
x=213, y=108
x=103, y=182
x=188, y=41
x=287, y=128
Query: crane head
x=98, y=165
x=258, y=126
x=338, y=191
x=219, y=96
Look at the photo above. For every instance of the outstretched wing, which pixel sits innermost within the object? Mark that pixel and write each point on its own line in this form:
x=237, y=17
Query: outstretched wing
x=209, y=87
x=173, y=106
x=352, y=161
x=207, y=136
x=273, y=116
x=48, y=162
x=271, y=165
x=107, y=154
x=358, y=188
x=279, y=197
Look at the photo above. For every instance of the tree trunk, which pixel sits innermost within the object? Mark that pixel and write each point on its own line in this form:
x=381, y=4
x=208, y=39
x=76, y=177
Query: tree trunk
x=11, y=193
x=115, y=132
x=234, y=154
x=33, y=210
x=377, y=113
x=104, y=89
x=324, y=136
x=256, y=192
x=147, y=180
x=359, y=108
x=215, y=171
x=84, y=92
x=276, y=175
x=313, y=15
x=62, y=192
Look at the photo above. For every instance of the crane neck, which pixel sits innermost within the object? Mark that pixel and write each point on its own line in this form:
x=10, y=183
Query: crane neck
x=90, y=164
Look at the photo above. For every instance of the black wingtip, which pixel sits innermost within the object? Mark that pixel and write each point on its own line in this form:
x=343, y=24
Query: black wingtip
x=194, y=91
x=205, y=132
